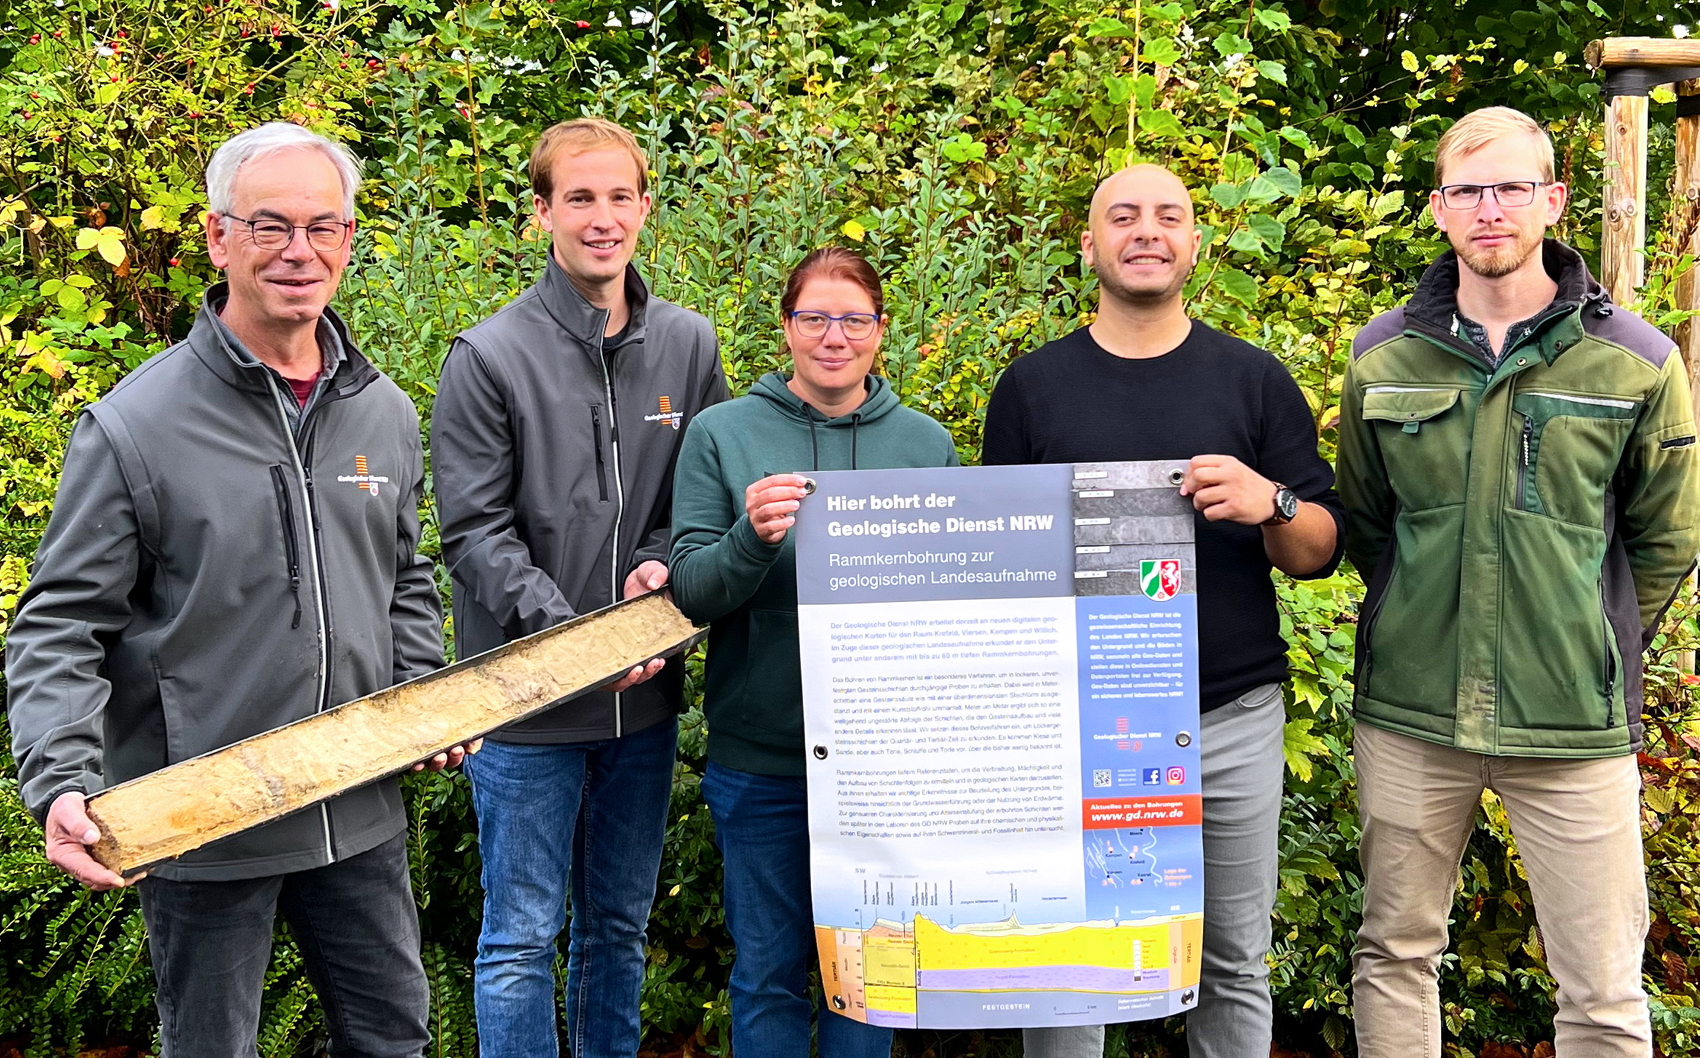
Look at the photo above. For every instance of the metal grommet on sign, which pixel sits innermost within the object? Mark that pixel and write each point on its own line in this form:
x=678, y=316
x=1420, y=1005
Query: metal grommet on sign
x=1177, y=477
x=820, y=752
x=1183, y=738
x=809, y=486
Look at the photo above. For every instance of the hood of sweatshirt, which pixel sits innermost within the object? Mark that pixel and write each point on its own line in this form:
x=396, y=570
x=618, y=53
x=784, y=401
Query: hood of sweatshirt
x=881, y=401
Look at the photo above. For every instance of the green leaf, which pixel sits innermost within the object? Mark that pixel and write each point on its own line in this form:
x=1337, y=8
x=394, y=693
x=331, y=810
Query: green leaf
x=1118, y=89
x=1285, y=180
x=1408, y=61
x=1353, y=134
x=1246, y=242
x=1237, y=285
x=1231, y=44
x=1297, y=137
x=1104, y=26
x=1162, y=51
x=1267, y=228
x=1273, y=71
x=1145, y=89
x=1391, y=202
x=1160, y=123
x=1227, y=195
x=1274, y=19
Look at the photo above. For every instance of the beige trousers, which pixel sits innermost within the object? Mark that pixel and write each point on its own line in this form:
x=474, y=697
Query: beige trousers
x=1578, y=830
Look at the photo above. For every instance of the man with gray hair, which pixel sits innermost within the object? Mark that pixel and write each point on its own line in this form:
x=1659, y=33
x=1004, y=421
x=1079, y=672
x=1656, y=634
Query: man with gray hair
x=232, y=548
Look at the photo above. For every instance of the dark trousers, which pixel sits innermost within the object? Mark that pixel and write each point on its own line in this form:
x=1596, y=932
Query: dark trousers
x=359, y=936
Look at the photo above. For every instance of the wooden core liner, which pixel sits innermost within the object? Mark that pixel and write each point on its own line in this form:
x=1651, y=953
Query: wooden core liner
x=166, y=813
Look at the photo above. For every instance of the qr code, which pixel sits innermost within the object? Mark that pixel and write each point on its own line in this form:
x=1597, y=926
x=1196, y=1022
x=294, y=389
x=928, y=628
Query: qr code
x=1101, y=777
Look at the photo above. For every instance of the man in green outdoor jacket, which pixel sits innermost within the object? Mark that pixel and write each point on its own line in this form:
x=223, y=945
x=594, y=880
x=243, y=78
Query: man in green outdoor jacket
x=1517, y=462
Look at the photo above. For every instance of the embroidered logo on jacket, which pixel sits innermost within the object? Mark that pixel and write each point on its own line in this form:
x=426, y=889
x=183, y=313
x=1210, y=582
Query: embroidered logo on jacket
x=363, y=478
x=667, y=414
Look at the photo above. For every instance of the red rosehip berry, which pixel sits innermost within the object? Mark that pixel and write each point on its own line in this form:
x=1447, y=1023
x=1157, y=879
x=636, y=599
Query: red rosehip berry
x=582, y=24
x=35, y=38
x=174, y=262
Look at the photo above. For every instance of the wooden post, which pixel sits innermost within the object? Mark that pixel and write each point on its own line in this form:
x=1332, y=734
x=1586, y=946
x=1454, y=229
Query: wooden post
x=1625, y=198
x=177, y=809
x=1686, y=198
x=1685, y=194
x=1643, y=51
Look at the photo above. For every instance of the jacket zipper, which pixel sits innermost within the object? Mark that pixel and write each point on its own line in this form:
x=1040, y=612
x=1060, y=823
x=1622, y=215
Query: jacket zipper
x=321, y=605
x=1524, y=485
x=1611, y=661
x=1601, y=402
x=291, y=546
x=1366, y=625
x=619, y=493
x=601, y=467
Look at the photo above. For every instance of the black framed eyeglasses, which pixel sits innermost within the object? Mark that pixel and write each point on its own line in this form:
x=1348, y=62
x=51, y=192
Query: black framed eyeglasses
x=1510, y=193
x=856, y=325
x=272, y=234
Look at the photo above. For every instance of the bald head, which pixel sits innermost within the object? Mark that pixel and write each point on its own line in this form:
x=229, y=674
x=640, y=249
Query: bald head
x=1143, y=184
x=1140, y=237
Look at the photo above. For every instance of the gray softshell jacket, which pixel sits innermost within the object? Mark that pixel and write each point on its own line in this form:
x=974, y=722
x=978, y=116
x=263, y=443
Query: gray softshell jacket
x=210, y=574
x=552, y=452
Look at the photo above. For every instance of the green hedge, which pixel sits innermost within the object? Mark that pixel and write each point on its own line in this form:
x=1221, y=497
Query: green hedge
x=956, y=146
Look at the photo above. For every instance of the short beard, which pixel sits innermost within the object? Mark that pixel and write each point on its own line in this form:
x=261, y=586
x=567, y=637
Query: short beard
x=1109, y=283
x=1494, y=264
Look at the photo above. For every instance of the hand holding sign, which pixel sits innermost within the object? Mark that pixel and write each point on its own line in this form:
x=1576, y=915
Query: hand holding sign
x=772, y=503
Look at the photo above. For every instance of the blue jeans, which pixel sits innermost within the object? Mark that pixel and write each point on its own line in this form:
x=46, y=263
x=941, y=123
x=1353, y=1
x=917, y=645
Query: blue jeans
x=761, y=823
x=586, y=818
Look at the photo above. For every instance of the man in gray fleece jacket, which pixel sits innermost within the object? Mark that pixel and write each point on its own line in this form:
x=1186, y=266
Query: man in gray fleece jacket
x=553, y=439
x=233, y=547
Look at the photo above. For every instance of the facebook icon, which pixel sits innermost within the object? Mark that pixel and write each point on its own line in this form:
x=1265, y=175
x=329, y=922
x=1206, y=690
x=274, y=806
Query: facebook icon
x=1152, y=776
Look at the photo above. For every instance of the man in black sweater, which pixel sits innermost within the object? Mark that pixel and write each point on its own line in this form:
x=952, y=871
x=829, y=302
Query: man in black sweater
x=1144, y=381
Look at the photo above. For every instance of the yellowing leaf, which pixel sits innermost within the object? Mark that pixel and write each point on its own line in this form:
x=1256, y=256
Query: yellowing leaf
x=107, y=241
x=46, y=361
x=1298, y=746
x=1408, y=61
x=10, y=210
x=854, y=231
x=152, y=217
x=1519, y=66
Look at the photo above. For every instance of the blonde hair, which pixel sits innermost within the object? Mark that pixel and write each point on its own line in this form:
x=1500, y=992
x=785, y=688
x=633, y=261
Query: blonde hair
x=1479, y=128
x=576, y=137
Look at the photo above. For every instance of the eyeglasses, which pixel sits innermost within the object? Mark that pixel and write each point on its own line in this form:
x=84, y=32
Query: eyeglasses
x=856, y=325
x=322, y=235
x=1510, y=193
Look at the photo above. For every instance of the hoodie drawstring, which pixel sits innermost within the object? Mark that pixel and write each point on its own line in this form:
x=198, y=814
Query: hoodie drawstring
x=814, y=444
x=855, y=423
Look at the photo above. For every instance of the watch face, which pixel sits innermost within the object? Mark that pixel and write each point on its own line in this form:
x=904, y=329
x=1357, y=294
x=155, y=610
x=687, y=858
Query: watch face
x=1287, y=503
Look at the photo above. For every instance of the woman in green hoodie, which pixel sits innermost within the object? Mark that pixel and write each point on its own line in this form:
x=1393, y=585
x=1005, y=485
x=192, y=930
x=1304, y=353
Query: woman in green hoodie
x=737, y=487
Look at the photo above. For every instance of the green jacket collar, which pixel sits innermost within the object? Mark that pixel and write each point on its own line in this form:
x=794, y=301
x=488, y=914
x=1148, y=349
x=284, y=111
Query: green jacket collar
x=1432, y=307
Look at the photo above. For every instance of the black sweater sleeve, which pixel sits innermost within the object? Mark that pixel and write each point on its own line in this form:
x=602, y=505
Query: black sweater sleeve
x=1287, y=453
